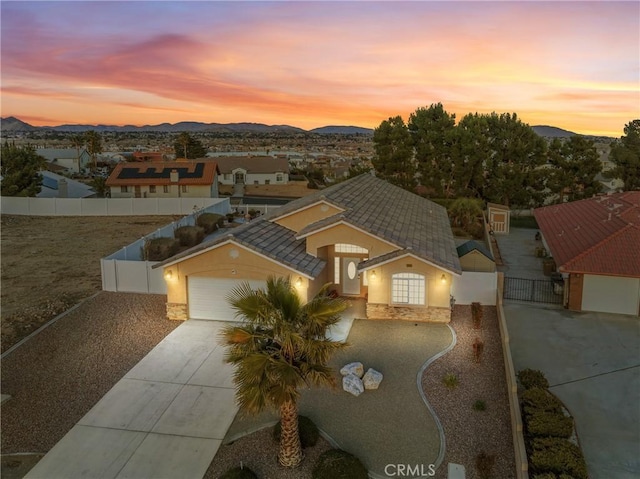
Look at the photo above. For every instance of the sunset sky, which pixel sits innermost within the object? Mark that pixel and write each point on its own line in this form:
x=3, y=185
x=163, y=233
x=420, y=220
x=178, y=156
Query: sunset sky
x=574, y=65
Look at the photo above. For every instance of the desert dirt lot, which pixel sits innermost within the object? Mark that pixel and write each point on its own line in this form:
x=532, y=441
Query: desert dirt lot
x=48, y=264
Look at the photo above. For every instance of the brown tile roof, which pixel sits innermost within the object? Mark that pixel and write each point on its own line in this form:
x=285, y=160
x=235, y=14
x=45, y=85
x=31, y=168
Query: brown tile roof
x=159, y=173
x=599, y=235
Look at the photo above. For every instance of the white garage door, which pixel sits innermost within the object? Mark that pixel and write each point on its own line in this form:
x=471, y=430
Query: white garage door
x=610, y=294
x=208, y=297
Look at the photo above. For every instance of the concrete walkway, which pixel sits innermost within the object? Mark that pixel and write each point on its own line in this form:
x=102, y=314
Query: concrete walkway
x=165, y=418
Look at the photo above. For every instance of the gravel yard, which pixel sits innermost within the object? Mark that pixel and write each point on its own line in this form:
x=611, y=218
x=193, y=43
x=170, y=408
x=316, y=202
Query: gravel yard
x=51, y=263
x=58, y=375
x=467, y=431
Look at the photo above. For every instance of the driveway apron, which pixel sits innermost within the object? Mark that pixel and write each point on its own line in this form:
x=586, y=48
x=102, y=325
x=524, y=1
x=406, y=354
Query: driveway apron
x=165, y=418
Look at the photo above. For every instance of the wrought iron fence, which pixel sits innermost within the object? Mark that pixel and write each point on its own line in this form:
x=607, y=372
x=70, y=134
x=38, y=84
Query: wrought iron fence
x=533, y=290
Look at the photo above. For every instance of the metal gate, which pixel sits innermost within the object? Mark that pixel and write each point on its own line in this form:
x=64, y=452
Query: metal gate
x=533, y=290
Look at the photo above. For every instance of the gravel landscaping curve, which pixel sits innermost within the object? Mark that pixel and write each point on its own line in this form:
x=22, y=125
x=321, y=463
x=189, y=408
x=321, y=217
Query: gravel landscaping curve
x=467, y=431
x=55, y=377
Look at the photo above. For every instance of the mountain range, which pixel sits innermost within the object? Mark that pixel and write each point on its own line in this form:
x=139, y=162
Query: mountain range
x=12, y=124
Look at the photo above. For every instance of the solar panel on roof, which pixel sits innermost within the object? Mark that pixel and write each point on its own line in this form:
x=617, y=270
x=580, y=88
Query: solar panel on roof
x=49, y=182
x=150, y=172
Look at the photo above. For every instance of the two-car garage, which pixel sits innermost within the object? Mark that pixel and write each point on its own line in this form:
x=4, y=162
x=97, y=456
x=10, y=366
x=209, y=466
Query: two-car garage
x=208, y=297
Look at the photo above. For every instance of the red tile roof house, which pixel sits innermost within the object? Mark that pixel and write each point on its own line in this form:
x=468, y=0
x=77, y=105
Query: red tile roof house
x=596, y=246
x=166, y=179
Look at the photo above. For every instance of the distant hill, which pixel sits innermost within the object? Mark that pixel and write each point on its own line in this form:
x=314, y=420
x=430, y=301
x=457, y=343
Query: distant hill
x=552, y=131
x=13, y=124
x=342, y=130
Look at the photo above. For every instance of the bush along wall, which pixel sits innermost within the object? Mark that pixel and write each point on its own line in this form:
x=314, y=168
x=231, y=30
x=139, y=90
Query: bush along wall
x=159, y=249
x=552, y=447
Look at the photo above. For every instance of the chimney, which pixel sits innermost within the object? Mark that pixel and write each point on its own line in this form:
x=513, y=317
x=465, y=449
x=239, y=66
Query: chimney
x=63, y=188
x=174, y=176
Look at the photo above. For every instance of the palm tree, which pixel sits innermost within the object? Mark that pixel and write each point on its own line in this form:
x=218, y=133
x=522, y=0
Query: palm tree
x=280, y=347
x=94, y=145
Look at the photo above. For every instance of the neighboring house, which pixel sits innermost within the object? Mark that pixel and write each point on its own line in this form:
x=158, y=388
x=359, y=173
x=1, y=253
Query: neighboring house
x=596, y=246
x=71, y=159
x=368, y=238
x=147, y=156
x=253, y=170
x=475, y=257
x=56, y=186
x=192, y=179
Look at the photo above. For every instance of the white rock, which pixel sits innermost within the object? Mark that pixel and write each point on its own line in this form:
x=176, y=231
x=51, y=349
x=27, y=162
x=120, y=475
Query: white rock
x=372, y=379
x=357, y=369
x=352, y=384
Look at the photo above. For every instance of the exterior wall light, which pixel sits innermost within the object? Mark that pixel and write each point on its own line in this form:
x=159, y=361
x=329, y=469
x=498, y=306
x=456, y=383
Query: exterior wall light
x=298, y=282
x=443, y=279
x=168, y=274
x=373, y=274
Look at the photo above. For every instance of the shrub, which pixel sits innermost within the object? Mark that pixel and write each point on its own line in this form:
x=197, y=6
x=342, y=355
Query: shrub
x=307, y=430
x=450, y=380
x=230, y=217
x=338, y=464
x=479, y=405
x=484, y=464
x=551, y=454
x=540, y=400
x=551, y=475
x=478, y=347
x=476, y=314
x=542, y=424
x=239, y=472
x=159, y=249
x=210, y=222
x=189, y=235
x=532, y=378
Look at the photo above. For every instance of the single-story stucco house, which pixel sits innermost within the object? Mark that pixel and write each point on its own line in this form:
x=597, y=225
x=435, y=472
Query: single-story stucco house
x=596, y=246
x=164, y=179
x=370, y=239
x=253, y=170
x=71, y=159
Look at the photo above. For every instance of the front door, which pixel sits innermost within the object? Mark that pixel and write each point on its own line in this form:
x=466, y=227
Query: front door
x=137, y=191
x=350, y=279
x=239, y=178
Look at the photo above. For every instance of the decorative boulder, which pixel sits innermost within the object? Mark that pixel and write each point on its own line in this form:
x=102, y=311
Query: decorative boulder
x=372, y=379
x=357, y=369
x=352, y=384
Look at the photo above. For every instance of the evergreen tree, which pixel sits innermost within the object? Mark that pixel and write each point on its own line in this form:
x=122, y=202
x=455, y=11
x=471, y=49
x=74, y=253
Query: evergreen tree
x=575, y=165
x=186, y=146
x=433, y=135
x=20, y=170
x=393, y=159
x=512, y=170
x=625, y=155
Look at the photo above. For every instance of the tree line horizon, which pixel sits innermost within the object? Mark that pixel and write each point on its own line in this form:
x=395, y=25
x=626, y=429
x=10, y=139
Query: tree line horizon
x=496, y=158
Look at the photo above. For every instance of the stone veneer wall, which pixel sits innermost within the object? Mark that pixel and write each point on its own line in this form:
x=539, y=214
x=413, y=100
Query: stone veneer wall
x=431, y=315
x=177, y=311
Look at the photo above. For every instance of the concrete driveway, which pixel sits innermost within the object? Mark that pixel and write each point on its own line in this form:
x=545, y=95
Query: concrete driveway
x=592, y=362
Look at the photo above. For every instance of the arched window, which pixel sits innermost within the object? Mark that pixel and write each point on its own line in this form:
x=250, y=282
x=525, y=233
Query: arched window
x=408, y=288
